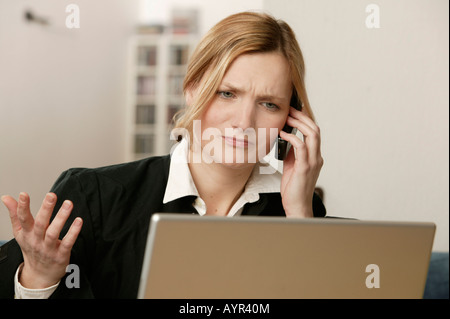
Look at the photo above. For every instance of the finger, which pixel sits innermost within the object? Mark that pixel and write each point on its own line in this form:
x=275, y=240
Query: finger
x=303, y=117
x=301, y=151
x=24, y=214
x=53, y=231
x=304, y=128
x=309, y=124
x=310, y=131
x=311, y=136
x=11, y=204
x=71, y=236
x=43, y=216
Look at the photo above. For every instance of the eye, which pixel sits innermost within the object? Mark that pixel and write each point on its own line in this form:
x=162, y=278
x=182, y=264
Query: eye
x=270, y=106
x=225, y=94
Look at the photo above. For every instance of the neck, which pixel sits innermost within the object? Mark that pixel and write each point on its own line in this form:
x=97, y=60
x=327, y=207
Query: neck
x=220, y=186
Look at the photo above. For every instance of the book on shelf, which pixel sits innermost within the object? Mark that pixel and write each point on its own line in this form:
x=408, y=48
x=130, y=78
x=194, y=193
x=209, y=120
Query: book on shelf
x=146, y=85
x=179, y=54
x=144, y=144
x=150, y=29
x=185, y=21
x=145, y=114
x=147, y=55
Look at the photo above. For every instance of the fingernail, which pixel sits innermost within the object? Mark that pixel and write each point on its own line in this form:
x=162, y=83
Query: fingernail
x=22, y=197
x=78, y=221
x=67, y=204
x=50, y=198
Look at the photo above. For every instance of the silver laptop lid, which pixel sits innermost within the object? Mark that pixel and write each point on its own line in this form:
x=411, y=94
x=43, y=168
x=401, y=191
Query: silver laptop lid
x=189, y=256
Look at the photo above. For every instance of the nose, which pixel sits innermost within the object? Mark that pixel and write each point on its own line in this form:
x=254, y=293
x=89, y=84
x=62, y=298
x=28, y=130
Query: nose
x=244, y=116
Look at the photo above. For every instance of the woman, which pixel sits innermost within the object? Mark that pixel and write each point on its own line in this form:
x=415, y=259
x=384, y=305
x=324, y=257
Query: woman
x=241, y=82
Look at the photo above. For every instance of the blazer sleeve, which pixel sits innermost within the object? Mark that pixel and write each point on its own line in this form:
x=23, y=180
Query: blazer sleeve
x=116, y=204
x=69, y=187
x=10, y=259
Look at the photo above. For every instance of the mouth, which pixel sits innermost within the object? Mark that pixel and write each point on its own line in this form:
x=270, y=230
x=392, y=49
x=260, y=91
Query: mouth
x=235, y=142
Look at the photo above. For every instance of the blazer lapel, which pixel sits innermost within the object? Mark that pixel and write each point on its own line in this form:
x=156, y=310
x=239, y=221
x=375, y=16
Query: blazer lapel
x=254, y=209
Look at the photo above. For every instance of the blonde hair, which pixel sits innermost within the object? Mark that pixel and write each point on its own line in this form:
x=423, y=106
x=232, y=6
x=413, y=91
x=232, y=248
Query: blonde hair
x=238, y=34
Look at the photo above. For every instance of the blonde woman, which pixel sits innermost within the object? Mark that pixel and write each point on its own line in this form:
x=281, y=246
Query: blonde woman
x=244, y=85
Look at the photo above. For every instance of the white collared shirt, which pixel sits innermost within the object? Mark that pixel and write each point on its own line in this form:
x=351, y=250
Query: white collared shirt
x=181, y=184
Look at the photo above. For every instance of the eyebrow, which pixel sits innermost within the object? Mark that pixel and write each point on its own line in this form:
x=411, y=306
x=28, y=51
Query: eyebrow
x=233, y=88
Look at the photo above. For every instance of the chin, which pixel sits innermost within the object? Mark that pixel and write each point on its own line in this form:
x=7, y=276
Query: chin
x=233, y=157
x=237, y=166
x=233, y=162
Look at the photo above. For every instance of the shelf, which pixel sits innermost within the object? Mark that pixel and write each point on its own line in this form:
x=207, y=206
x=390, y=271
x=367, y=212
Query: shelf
x=158, y=64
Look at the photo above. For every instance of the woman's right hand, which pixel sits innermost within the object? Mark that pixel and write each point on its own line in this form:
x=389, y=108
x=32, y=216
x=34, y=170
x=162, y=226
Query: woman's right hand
x=45, y=255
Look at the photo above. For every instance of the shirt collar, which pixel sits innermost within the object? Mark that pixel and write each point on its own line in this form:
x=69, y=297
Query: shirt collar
x=180, y=182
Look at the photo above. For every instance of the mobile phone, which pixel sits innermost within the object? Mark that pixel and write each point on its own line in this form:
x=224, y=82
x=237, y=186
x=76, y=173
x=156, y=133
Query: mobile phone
x=283, y=145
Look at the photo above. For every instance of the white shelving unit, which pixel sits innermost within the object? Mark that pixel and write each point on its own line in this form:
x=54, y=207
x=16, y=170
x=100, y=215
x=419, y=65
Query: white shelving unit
x=157, y=67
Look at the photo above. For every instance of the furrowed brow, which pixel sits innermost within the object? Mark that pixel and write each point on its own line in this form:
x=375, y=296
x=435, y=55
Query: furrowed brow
x=233, y=88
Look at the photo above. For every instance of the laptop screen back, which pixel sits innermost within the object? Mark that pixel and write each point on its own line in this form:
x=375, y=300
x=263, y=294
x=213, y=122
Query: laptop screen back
x=189, y=256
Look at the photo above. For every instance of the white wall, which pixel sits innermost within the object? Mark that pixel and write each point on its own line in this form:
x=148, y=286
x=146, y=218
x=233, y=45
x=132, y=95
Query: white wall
x=381, y=99
x=62, y=93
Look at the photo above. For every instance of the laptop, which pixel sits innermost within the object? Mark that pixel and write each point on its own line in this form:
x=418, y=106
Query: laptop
x=248, y=257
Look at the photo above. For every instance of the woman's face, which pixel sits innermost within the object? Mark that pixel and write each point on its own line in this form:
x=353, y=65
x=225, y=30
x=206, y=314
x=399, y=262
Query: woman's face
x=250, y=107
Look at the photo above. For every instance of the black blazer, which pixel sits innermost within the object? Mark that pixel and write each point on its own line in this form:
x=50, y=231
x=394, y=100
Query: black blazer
x=116, y=204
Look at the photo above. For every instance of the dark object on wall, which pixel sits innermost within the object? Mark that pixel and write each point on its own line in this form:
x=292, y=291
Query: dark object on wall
x=31, y=17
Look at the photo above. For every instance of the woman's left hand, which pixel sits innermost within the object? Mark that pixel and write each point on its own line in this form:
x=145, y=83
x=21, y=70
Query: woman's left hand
x=301, y=168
